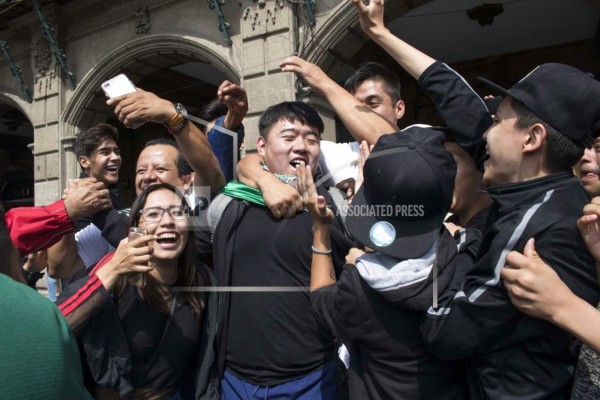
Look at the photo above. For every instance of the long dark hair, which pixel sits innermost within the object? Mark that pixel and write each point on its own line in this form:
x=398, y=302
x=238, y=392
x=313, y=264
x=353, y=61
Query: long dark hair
x=155, y=292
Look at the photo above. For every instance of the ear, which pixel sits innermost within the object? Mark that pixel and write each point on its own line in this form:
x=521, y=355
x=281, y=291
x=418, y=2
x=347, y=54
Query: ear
x=84, y=162
x=187, y=180
x=400, y=109
x=535, y=139
x=261, y=145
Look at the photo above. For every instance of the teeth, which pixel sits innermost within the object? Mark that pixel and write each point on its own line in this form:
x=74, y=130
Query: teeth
x=168, y=236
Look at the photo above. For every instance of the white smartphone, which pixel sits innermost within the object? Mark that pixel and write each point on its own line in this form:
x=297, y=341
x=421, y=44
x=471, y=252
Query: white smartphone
x=120, y=85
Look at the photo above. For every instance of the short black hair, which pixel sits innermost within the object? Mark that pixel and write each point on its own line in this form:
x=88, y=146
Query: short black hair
x=291, y=111
x=562, y=152
x=183, y=167
x=377, y=72
x=86, y=141
x=212, y=111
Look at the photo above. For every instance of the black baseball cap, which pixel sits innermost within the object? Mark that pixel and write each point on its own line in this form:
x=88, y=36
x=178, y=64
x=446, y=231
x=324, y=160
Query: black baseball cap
x=564, y=97
x=407, y=191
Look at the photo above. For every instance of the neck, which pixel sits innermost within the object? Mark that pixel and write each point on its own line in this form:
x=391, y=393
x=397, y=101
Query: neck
x=165, y=272
x=480, y=201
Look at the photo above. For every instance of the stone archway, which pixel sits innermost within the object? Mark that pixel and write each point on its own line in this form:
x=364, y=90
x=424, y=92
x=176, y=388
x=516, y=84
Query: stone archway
x=16, y=158
x=122, y=55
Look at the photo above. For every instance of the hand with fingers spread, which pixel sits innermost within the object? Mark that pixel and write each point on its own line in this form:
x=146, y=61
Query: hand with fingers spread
x=322, y=272
x=85, y=197
x=315, y=204
x=589, y=227
x=370, y=16
x=130, y=256
x=533, y=286
x=141, y=106
x=318, y=81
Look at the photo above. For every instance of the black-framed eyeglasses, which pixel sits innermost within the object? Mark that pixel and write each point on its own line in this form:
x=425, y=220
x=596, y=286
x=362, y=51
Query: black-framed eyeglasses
x=155, y=214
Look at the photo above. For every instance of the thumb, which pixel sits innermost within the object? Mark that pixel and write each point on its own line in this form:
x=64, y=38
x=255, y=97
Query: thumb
x=529, y=249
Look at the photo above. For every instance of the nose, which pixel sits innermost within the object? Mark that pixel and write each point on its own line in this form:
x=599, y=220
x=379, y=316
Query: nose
x=300, y=144
x=588, y=156
x=149, y=176
x=114, y=156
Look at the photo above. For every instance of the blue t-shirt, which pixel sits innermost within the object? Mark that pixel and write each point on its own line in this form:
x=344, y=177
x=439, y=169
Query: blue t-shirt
x=223, y=147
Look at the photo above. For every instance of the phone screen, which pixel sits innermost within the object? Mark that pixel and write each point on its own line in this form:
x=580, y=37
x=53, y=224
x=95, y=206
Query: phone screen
x=120, y=85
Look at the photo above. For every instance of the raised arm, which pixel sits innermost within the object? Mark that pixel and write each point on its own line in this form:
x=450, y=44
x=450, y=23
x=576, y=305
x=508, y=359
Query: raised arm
x=84, y=298
x=362, y=122
x=237, y=104
x=370, y=17
x=462, y=110
x=36, y=228
x=145, y=106
x=322, y=272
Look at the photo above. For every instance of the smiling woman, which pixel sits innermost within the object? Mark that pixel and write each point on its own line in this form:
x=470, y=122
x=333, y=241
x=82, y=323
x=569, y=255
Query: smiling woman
x=155, y=329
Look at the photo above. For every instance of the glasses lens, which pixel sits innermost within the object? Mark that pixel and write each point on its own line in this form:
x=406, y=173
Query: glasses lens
x=179, y=212
x=152, y=214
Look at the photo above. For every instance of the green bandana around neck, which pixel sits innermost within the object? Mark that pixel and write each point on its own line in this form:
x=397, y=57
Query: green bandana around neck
x=242, y=191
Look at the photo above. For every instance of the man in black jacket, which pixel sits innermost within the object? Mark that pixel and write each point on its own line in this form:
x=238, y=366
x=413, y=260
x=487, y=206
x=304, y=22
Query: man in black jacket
x=539, y=133
x=380, y=298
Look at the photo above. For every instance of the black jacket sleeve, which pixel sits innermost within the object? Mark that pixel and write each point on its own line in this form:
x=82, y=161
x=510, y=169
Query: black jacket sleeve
x=339, y=307
x=113, y=225
x=476, y=315
x=461, y=108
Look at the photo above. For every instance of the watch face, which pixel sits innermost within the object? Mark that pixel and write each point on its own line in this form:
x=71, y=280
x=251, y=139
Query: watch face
x=179, y=108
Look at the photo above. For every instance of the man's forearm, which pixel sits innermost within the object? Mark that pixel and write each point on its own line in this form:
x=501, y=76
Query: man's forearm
x=36, y=228
x=321, y=270
x=196, y=150
x=414, y=61
x=250, y=171
x=362, y=122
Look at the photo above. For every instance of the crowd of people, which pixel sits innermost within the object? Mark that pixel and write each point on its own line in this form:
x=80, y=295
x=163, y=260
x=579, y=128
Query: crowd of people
x=455, y=262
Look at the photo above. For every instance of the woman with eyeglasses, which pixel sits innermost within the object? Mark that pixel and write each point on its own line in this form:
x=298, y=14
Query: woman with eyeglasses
x=141, y=336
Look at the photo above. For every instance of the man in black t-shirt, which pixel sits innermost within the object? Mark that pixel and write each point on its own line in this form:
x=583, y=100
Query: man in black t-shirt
x=268, y=340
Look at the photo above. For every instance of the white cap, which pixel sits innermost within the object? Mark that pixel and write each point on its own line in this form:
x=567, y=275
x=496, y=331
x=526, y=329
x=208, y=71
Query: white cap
x=340, y=160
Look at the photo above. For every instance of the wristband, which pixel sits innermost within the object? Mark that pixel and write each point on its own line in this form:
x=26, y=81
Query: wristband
x=322, y=252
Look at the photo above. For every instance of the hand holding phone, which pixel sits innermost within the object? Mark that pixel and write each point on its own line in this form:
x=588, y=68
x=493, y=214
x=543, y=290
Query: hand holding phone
x=137, y=278
x=118, y=86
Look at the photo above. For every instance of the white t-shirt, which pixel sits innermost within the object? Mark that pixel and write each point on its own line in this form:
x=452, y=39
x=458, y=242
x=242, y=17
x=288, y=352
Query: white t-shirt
x=91, y=245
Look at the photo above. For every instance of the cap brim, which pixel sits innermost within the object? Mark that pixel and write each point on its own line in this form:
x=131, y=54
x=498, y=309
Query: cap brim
x=495, y=89
x=493, y=104
x=413, y=238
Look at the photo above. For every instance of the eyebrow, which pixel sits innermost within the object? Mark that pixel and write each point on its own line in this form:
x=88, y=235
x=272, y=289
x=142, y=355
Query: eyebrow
x=107, y=148
x=298, y=131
